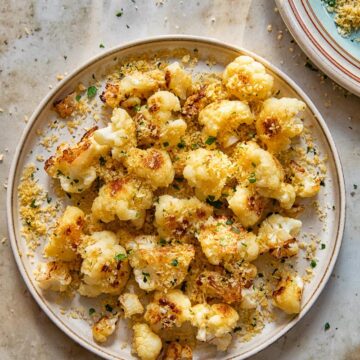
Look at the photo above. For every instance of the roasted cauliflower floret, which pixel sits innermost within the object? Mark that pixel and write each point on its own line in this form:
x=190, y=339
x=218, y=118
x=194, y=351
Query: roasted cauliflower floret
x=104, y=328
x=288, y=294
x=119, y=135
x=277, y=234
x=279, y=121
x=285, y=194
x=53, y=276
x=168, y=310
x=161, y=268
x=127, y=198
x=215, y=323
x=65, y=239
x=66, y=106
x=221, y=118
x=247, y=79
x=176, y=351
x=138, y=85
x=178, y=80
x=152, y=165
x=74, y=166
x=223, y=242
x=105, y=267
x=305, y=184
x=207, y=171
x=131, y=304
x=177, y=218
x=247, y=205
x=146, y=344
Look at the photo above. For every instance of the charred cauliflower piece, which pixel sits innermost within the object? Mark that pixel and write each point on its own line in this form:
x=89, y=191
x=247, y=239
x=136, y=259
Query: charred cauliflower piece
x=247, y=79
x=177, y=351
x=74, y=166
x=138, y=85
x=119, y=135
x=305, y=184
x=279, y=121
x=224, y=242
x=53, y=276
x=207, y=171
x=105, y=267
x=215, y=323
x=161, y=268
x=65, y=239
x=146, y=344
x=288, y=294
x=177, y=218
x=131, y=304
x=277, y=234
x=127, y=198
x=65, y=107
x=221, y=118
x=104, y=328
x=178, y=80
x=168, y=310
x=152, y=165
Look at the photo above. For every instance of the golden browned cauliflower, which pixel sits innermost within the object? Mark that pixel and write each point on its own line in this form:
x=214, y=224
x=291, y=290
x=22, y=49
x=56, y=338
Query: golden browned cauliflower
x=146, y=344
x=168, y=310
x=66, y=237
x=54, y=275
x=288, y=294
x=207, y=171
x=105, y=267
x=138, y=85
x=279, y=121
x=119, y=135
x=177, y=351
x=74, y=166
x=277, y=234
x=179, y=218
x=103, y=328
x=247, y=79
x=127, y=198
x=66, y=106
x=215, y=323
x=221, y=118
x=131, y=304
x=152, y=165
x=224, y=242
x=178, y=80
x=247, y=205
x=160, y=267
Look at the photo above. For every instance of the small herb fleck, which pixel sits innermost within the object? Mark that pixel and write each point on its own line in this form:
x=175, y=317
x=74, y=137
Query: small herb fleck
x=91, y=91
x=101, y=46
x=162, y=242
x=120, y=13
x=215, y=203
x=322, y=183
x=77, y=98
x=323, y=246
x=326, y=326
x=313, y=263
x=108, y=308
x=166, y=144
x=102, y=161
x=355, y=186
x=137, y=107
x=91, y=311
x=33, y=205
x=238, y=328
x=181, y=144
x=235, y=230
x=252, y=178
x=210, y=140
x=48, y=198
x=120, y=257
x=175, y=262
x=229, y=222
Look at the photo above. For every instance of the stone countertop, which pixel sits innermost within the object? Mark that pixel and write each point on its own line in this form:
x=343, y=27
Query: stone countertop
x=40, y=39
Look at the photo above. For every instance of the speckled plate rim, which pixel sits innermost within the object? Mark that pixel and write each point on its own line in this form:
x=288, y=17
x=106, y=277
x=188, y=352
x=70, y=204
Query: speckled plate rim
x=176, y=38
x=318, y=45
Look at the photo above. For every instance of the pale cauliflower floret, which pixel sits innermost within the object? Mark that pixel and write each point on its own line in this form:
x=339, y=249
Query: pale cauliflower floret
x=221, y=118
x=279, y=121
x=248, y=299
x=224, y=242
x=152, y=165
x=131, y=304
x=172, y=132
x=127, y=198
x=215, y=323
x=305, y=184
x=247, y=79
x=66, y=237
x=247, y=205
x=74, y=166
x=104, y=328
x=161, y=267
x=288, y=294
x=285, y=194
x=176, y=351
x=53, y=276
x=119, y=135
x=277, y=234
x=179, y=217
x=146, y=344
x=105, y=267
x=178, y=80
x=207, y=171
x=168, y=310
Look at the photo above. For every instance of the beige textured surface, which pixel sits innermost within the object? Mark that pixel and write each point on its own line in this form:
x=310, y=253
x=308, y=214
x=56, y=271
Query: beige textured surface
x=40, y=39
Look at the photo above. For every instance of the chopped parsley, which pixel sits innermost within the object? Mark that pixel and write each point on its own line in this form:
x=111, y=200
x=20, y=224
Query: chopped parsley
x=166, y=144
x=235, y=230
x=322, y=183
x=120, y=13
x=313, y=263
x=48, y=198
x=215, y=203
x=108, y=308
x=252, y=178
x=181, y=144
x=102, y=161
x=33, y=205
x=101, y=46
x=91, y=91
x=355, y=186
x=175, y=262
x=326, y=326
x=145, y=276
x=162, y=242
x=137, y=107
x=120, y=257
x=210, y=140
x=91, y=311
x=229, y=222
x=78, y=97
x=323, y=246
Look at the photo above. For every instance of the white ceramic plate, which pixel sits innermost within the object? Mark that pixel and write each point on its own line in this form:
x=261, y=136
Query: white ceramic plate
x=331, y=197
x=314, y=30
